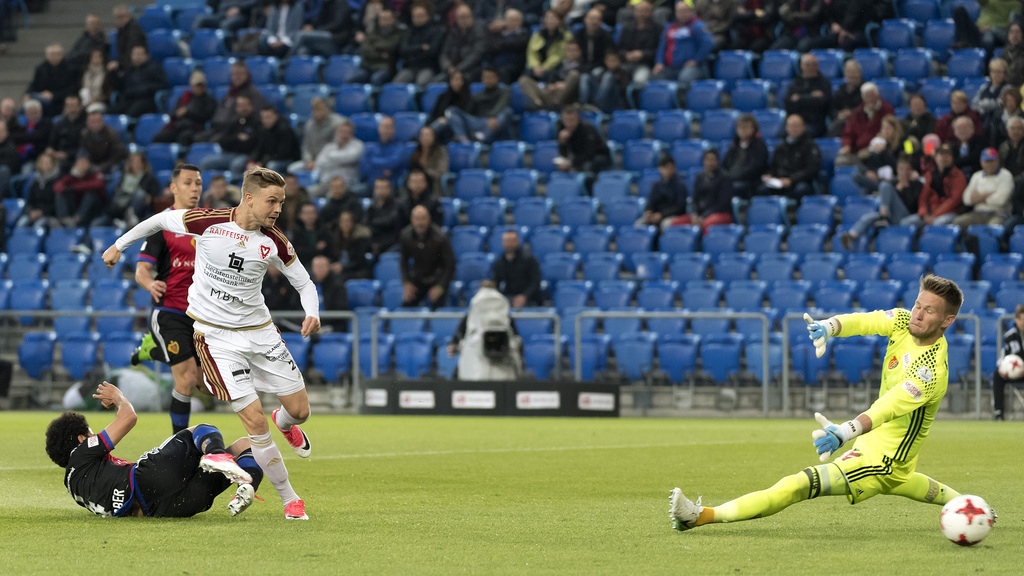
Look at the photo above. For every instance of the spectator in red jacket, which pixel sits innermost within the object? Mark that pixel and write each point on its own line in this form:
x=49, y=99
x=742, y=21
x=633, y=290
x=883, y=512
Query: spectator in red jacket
x=942, y=195
x=959, y=105
x=863, y=124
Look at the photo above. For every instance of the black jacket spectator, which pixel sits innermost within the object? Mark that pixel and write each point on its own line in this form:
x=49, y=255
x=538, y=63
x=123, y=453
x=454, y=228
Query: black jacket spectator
x=586, y=149
x=351, y=250
x=464, y=50
x=411, y=50
x=104, y=147
x=411, y=199
x=335, y=206
x=508, y=53
x=231, y=139
x=65, y=136
x=137, y=86
x=668, y=197
x=334, y=18
x=129, y=36
x=489, y=102
x=333, y=297
x=385, y=224
x=813, y=109
x=519, y=275
x=646, y=40
x=712, y=194
x=593, y=47
x=799, y=161
x=846, y=97
x=92, y=38
x=276, y=144
x=61, y=80
x=449, y=98
x=744, y=166
x=967, y=155
x=918, y=126
x=427, y=259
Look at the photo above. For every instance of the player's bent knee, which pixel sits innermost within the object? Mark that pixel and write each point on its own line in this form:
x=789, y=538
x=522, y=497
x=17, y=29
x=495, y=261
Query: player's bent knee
x=823, y=480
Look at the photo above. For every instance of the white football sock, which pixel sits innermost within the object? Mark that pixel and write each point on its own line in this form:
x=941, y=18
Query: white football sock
x=270, y=460
x=285, y=421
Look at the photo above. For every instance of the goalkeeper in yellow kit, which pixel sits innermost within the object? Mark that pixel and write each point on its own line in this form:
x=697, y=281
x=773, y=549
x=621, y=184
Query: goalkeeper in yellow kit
x=889, y=434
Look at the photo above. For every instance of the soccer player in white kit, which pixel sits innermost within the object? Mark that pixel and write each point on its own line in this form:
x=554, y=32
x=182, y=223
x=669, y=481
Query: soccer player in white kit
x=240, y=349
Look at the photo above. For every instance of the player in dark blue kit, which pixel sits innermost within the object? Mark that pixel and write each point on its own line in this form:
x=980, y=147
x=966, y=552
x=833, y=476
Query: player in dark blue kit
x=179, y=478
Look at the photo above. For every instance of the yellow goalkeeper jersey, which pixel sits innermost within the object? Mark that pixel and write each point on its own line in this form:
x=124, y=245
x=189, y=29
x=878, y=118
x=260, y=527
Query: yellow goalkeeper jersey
x=914, y=380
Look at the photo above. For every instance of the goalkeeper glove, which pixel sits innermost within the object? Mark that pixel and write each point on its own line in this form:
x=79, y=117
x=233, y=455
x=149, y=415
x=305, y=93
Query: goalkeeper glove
x=831, y=437
x=820, y=332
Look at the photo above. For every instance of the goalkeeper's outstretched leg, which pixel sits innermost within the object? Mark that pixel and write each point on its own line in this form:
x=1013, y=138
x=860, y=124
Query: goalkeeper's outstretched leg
x=824, y=480
x=923, y=489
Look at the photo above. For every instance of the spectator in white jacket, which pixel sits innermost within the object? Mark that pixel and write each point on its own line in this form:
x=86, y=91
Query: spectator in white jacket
x=340, y=158
x=988, y=193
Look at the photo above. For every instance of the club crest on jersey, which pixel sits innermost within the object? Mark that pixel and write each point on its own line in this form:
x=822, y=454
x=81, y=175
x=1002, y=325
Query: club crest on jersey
x=173, y=347
x=909, y=388
x=264, y=251
x=924, y=373
x=893, y=362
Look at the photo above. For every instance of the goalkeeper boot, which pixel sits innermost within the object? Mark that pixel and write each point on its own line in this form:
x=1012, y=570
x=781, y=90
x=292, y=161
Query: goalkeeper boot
x=144, y=353
x=225, y=464
x=242, y=500
x=296, y=438
x=683, y=512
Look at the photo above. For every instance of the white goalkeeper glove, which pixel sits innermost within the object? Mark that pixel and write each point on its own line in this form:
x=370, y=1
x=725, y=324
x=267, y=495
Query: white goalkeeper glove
x=820, y=332
x=830, y=437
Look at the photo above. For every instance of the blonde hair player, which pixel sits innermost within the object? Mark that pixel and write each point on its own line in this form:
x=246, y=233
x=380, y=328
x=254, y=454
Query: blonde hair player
x=239, y=348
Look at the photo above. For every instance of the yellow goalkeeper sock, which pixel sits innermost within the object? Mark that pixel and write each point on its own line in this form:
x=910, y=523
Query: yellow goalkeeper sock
x=923, y=489
x=785, y=492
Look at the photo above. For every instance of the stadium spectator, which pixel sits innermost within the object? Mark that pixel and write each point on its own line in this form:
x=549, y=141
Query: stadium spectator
x=899, y=204
x=959, y=105
x=878, y=161
x=190, y=113
x=41, y=203
x=329, y=32
x=486, y=119
x=66, y=132
x=278, y=294
x=847, y=22
x=810, y=95
x=237, y=140
x=989, y=30
x=594, y=41
x=863, y=123
x=464, y=47
x=382, y=218
x=847, y=97
x=795, y=163
x=685, y=44
x=995, y=129
x=516, y=272
x=918, y=122
x=1013, y=54
x=419, y=48
x=295, y=196
x=9, y=114
x=339, y=200
x=427, y=261
x=456, y=95
x=96, y=80
x=1013, y=343
x=32, y=136
x=129, y=35
x=943, y=191
x=547, y=48
x=350, y=244
x=712, y=196
x=283, y=25
x=606, y=87
x=340, y=158
x=133, y=195
x=221, y=193
x=667, y=198
x=227, y=112
x=747, y=157
x=508, y=45
x=1011, y=156
x=418, y=193
x=101, y=143
x=430, y=157
x=988, y=193
x=180, y=478
x=52, y=80
x=967, y=146
x=277, y=146
x=563, y=83
x=379, y=51
x=317, y=132
x=137, y=85
x=755, y=24
x=719, y=16
x=986, y=100
x=92, y=38
x=331, y=288
x=10, y=162
x=231, y=16
x=638, y=42
x=384, y=158
x=308, y=237
x=801, y=24
x=80, y=194
x=581, y=148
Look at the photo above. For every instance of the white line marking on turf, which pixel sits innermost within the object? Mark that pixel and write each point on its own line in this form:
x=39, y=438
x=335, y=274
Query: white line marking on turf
x=460, y=452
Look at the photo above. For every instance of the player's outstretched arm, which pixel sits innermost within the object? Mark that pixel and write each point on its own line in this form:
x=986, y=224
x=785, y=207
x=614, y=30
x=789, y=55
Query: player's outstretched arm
x=170, y=220
x=820, y=331
x=110, y=397
x=830, y=437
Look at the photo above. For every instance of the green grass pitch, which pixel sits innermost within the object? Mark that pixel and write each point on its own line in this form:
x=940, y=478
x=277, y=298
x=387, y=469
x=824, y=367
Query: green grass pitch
x=435, y=495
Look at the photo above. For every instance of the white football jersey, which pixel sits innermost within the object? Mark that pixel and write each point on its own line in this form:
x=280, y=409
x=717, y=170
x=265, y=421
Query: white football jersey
x=230, y=263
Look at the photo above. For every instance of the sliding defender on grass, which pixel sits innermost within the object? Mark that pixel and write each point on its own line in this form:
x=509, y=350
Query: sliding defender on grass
x=889, y=434
x=179, y=478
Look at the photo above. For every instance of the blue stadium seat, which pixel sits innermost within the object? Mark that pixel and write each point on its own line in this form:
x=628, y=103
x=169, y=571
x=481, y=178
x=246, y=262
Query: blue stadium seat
x=1001, y=267
x=612, y=185
x=767, y=210
x=486, y=211
x=538, y=126
x=532, y=212
x=473, y=183
x=218, y=71
x=967, y=63
x=717, y=125
x=302, y=99
x=920, y=11
x=672, y=125
x=539, y=354
x=907, y=268
x=366, y=126
x=353, y=98
x=874, y=62
x=79, y=353
x=745, y=295
x=960, y=348
x=362, y=292
x=776, y=266
x=698, y=294
x=451, y=208
x=856, y=206
x=641, y=154
x=627, y=125
x=528, y=327
x=689, y=154
x=680, y=239
x=414, y=354
x=593, y=353
x=467, y=239
x=806, y=239
x=789, y=293
x=895, y=239
x=938, y=37
x=207, y=43
x=408, y=325
x=163, y=156
x=750, y=95
x=659, y=95
x=816, y=210
x=830, y=62
x=778, y=65
x=720, y=355
x=571, y=294
x=118, y=122
x=854, y=358
x=634, y=353
x=988, y=237
x=387, y=267
x=657, y=294
x=562, y=186
x=66, y=266
x=829, y=150
x=148, y=126
x=155, y=17
x=474, y=266
x=1010, y=294
x=958, y=267
x=35, y=353
x=575, y=212
x=394, y=98
x=200, y=150
x=177, y=71
x=624, y=211
x=26, y=266
x=687, y=266
x=163, y=43
x=264, y=69
x=462, y=156
x=548, y=239
x=332, y=356
x=724, y=238
x=817, y=267
x=913, y=65
x=610, y=294
x=558, y=266
x=118, y=348
x=185, y=17
x=26, y=240
x=734, y=65
x=341, y=67
x=891, y=90
x=677, y=355
x=936, y=91
x=275, y=95
x=879, y=294
x=861, y=267
x=976, y=295
x=704, y=95
x=896, y=34
x=385, y=350
x=544, y=154
x=834, y=295
x=772, y=122
x=303, y=70
x=595, y=238
x=409, y=124
x=630, y=240
x=755, y=356
x=507, y=155
x=731, y=266
x=649, y=265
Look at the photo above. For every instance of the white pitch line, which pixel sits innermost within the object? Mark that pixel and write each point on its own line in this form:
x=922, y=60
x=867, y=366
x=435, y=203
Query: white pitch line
x=462, y=452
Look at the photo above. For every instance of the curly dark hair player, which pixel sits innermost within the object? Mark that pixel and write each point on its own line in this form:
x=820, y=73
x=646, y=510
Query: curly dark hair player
x=179, y=478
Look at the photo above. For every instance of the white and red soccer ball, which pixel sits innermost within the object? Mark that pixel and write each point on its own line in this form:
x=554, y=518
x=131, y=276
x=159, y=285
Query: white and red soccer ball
x=966, y=520
x=1011, y=367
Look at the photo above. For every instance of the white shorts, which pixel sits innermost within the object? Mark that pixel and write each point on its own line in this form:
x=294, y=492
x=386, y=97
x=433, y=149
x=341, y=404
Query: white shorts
x=238, y=363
